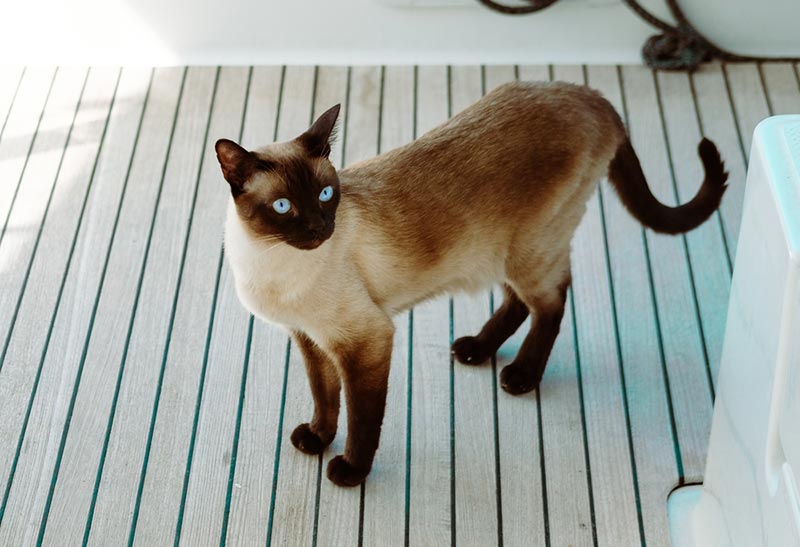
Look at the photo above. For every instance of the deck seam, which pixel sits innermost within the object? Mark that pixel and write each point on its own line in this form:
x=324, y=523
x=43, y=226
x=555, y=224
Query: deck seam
x=452, y=444
x=407, y=498
x=796, y=75
x=764, y=87
x=278, y=440
x=410, y=390
x=452, y=379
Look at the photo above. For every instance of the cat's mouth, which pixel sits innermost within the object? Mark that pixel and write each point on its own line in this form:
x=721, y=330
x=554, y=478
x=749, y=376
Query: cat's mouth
x=313, y=241
x=308, y=245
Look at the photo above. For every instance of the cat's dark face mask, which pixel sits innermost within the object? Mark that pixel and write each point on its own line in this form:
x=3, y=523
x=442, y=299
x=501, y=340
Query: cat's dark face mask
x=287, y=192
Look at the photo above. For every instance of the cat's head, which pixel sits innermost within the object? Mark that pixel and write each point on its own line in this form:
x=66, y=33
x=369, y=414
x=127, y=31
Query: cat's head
x=287, y=191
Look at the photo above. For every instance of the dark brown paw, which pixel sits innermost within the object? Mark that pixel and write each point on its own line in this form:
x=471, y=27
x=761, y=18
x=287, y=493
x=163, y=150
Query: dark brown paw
x=307, y=441
x=517, y=380
x=470, y=351
x=342, y=473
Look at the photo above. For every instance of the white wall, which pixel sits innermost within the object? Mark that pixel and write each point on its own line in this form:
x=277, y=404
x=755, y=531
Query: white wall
x=326, y=31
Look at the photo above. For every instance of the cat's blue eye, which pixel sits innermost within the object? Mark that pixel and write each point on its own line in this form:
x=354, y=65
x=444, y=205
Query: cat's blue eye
x=282, y=206
x=326, y=194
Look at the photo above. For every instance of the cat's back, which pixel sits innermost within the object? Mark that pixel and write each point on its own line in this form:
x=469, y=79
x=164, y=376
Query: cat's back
x=534, y=132
x=542, y=106
x=553, y=92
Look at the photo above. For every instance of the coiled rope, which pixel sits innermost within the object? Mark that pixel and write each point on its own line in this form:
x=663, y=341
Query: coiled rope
x=678, y=47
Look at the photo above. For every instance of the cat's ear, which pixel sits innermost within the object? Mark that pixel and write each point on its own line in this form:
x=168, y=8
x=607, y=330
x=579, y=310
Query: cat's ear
x=237, y=164
x=317, y=140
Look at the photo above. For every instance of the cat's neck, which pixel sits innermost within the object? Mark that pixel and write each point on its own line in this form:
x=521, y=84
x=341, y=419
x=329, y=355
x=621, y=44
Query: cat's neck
x=258, y=261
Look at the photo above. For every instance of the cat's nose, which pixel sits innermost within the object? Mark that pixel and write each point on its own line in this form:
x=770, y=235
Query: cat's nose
x=316, y=225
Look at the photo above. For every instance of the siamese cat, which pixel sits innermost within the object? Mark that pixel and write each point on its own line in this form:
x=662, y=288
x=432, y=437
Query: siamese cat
x=493, y=195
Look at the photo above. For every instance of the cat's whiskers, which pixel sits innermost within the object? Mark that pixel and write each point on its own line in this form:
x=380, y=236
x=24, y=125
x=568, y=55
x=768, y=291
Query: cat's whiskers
x=268, y=249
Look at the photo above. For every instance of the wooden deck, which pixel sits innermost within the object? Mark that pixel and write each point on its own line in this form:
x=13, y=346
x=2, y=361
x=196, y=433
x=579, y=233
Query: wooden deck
x=140, y=404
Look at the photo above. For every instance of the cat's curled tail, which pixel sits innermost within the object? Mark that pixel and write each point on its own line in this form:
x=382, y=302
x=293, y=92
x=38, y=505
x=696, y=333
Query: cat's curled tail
x=626, y=175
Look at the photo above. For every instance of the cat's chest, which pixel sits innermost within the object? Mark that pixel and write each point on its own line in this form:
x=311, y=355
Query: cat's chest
x=283, y=290
x=280, y=290
x=270, y=303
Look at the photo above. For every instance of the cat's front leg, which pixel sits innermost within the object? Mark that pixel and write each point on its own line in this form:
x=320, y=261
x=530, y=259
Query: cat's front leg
x=364, y=366
x=314, y=437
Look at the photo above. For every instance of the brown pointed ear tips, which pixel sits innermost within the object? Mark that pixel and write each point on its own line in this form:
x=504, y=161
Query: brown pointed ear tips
x=318, y=138
x=325, y=126
x=227, y=150
x=334, y=110
x=221, y=146
x=233, y=162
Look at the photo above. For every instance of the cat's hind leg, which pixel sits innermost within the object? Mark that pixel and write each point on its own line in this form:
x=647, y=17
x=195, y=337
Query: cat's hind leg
x=545, y=299
x=474, y=350
x=314, y=437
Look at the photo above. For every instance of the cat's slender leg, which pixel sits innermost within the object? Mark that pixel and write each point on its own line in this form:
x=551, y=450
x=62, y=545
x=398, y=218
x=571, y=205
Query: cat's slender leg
x=364, y=367
x=474, y=350
x=312, y=438
x=526, y=371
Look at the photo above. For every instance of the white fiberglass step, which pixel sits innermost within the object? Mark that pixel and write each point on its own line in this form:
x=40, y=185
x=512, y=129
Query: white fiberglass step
x=750, y=494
